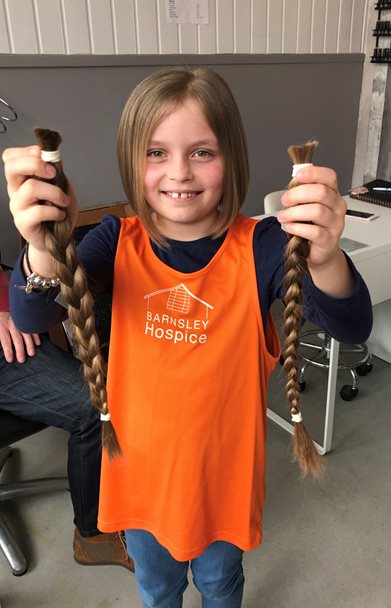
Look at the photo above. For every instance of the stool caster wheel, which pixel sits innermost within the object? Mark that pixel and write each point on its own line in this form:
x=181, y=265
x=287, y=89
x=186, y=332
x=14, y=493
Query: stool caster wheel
x=348, y=393
x=302, y=385
x=364, y=369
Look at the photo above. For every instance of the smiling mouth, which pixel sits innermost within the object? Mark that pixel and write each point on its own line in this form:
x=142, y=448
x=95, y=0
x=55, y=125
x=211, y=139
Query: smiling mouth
x=181, y=195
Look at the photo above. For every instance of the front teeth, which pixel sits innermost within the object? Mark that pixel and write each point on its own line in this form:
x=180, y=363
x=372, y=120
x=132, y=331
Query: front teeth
x=180, y=194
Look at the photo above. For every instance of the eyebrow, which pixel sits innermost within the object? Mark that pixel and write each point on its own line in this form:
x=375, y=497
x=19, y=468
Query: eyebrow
x=196, y=144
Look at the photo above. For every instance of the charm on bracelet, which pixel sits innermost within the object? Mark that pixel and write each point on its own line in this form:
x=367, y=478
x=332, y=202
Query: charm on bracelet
x=35, y=282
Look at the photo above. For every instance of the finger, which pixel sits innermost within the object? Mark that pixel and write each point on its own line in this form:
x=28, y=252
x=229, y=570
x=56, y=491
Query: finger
x=314, y=193
x=10, y=153
x=311, y=232
x=318, y=175
x=315, y=213
x=29, y=344
x=6, y=344
x=37, y=339
x=34, y=190
x=18, y=343
x=20, y=168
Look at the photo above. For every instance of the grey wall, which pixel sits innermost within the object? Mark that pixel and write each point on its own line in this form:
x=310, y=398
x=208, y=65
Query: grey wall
x=284, y=99
x=384, y=166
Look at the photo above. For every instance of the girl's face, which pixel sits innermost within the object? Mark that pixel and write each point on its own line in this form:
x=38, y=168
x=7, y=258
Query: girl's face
x=184, y=172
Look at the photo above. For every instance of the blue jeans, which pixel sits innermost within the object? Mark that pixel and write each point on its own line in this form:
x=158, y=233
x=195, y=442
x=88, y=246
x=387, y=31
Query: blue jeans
x=162, y=580
x=49, y=388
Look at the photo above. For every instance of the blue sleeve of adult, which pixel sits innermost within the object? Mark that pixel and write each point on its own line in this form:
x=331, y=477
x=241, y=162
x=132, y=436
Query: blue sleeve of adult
x=345, y=319
x=37, y=311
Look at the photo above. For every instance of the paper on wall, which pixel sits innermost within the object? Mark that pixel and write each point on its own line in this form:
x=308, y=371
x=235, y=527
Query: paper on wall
x=187, y=11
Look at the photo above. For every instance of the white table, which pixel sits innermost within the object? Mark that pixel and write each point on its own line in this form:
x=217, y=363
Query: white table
x=374, y=264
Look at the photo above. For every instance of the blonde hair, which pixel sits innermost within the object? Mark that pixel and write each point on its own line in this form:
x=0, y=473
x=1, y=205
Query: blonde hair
x=74, y=289
x=155, y=98
x=296, y=253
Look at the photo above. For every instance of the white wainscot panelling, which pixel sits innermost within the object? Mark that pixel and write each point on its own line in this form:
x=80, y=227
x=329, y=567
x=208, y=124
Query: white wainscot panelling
x=332, y=23
x=290, y=25
x=49, y=26
x=168, y=32
x=242, y=23
x=76, y=29
x=188, y=38
x=101, y=27
x=259, y=26
x=274, y=25
x=225, y=26
x=124, y=27
x=22, y=29
x=304, y=26
x=358, y=32
x=147, y=34
x=207, y=44
x=318, y=25
x=4, y=42
x=140, y=27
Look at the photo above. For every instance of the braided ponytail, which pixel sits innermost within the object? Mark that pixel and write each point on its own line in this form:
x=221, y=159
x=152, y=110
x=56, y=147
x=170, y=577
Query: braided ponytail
x=296, y=253
x=74, y=289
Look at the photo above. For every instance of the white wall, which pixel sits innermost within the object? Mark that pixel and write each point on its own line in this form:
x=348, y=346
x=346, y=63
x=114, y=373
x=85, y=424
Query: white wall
x=111, y=27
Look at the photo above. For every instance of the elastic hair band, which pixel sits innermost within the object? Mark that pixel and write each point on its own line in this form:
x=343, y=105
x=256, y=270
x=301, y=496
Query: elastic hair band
x=297, y=168
x=297, y=417
x=51, y=156
x=105, y=417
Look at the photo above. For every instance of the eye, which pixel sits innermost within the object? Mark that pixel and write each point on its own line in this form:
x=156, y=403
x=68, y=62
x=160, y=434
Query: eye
x=155, y=153
x=202, y=154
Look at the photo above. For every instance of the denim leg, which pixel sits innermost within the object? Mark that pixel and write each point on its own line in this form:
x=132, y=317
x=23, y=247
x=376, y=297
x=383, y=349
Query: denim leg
x=161, y=579
x=49, y=388
x=218, y=575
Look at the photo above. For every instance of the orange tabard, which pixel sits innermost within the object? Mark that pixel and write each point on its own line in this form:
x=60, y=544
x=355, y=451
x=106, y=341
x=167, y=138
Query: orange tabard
x=188, y=371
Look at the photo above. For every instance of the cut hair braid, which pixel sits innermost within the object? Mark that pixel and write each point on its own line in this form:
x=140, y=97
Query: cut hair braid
x=296, y=253
x=74, y=289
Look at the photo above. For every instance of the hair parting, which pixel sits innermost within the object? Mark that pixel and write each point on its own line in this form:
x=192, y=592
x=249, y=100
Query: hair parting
x=296, y=253
x=74, y=289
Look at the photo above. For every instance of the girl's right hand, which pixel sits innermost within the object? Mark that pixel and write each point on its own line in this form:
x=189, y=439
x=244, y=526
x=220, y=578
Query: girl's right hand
x=22, y=166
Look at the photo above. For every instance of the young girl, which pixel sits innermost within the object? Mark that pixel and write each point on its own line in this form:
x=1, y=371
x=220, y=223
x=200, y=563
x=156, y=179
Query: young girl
x=192, y=342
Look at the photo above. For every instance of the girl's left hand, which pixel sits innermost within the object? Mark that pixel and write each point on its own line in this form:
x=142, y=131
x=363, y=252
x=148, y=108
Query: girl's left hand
x=315, y=211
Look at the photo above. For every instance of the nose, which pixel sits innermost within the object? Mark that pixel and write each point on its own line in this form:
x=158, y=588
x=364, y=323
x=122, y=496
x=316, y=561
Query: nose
x=179, y=169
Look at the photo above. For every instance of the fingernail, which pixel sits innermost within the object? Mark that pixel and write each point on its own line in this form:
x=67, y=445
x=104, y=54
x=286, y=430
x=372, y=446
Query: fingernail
x=50, y=170
x=282, y=226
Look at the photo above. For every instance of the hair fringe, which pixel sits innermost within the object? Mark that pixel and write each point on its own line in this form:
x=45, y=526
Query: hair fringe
x=296, y=253
x=74, y=289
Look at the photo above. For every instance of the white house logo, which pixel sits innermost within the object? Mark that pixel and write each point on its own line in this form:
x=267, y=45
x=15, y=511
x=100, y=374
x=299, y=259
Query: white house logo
x=176, y=314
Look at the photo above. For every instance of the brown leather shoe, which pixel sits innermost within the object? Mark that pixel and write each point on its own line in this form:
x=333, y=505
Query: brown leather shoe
x=101, y=550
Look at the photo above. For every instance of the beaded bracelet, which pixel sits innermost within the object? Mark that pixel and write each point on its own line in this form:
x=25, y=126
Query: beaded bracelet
x=36, y=281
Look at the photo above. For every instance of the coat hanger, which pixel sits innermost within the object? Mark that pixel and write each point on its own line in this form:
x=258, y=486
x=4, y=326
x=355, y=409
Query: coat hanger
x=5, y=119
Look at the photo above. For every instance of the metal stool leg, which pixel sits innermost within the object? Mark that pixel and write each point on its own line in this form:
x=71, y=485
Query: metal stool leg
x=11, y=550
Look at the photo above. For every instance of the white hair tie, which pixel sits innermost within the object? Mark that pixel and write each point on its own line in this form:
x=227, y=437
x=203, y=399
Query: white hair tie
x=105, y=417
x=297, y=168
x=51, y=156
x=297, y=417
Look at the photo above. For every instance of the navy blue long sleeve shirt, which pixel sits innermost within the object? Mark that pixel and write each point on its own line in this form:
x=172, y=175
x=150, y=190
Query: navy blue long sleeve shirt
x=346, y=319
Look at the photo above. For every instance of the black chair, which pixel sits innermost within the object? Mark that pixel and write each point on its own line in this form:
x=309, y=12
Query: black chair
x=13, y=429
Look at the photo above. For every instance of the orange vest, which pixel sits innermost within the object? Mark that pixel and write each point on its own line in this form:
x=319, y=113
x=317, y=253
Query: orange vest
x=188, y=371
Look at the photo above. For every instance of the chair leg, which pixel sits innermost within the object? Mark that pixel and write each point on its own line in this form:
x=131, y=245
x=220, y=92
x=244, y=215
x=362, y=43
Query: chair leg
x=11, y=550
x=32, y=486
x=8, y=545
x=5, y=453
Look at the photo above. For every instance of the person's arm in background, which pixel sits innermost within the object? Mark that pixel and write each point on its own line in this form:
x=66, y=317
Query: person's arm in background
x=13, y=342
